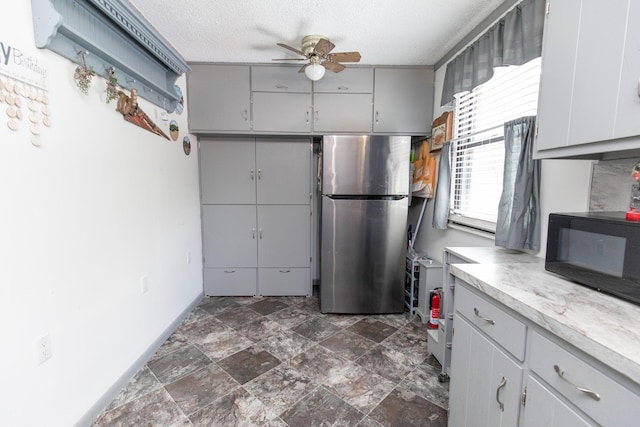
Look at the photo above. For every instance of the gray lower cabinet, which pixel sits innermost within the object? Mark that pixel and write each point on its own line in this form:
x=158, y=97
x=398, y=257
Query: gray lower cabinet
x=256, y=216
x=507, y=371
x=403, y=100
x=219, y=98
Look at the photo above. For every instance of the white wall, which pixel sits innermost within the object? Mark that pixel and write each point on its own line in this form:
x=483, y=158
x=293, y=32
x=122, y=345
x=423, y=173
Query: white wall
x=82, y=218
x=564, y=187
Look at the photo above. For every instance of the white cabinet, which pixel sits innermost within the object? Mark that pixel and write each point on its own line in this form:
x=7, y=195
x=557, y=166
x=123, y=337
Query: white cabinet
x=219, y=98
x=403, y=100
x=508, y=371
x=256, y=236
x=485, y=390
x=589, y=95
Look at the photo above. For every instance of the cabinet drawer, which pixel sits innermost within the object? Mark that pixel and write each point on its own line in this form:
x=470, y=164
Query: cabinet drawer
x=349, y=80
x=229, y=281
x=279, y=79
x=506, y=330
x=617, y=405
x=284, y=281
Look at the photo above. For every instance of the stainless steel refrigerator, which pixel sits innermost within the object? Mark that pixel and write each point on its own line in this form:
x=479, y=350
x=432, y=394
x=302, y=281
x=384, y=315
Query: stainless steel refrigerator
x=365, y=184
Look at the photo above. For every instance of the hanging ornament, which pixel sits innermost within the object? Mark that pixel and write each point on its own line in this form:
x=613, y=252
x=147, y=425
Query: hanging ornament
x=83, y=75
x=112, y=85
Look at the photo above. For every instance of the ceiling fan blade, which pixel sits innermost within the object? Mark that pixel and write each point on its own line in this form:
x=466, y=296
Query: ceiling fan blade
x=289, y=59
x=323, y=47
x=345, y=57
x=333, y=66
x=301, y=70
x=292, y=49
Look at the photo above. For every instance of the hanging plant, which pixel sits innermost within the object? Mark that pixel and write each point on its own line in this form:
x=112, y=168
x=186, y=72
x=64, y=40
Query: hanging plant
x=112, y=85
x=83, y=75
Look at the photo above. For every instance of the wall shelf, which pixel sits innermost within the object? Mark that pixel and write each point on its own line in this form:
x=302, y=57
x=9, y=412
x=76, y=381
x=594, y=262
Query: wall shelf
x=110, y=34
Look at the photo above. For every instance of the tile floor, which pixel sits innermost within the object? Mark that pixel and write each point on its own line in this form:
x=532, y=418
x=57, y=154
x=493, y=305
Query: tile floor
x=280, y=362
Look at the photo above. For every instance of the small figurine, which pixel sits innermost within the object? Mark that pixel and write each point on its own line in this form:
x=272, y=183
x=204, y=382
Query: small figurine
x=633, y=214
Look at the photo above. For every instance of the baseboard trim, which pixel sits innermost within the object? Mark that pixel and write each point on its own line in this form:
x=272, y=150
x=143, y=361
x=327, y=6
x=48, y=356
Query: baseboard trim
x=112, y=392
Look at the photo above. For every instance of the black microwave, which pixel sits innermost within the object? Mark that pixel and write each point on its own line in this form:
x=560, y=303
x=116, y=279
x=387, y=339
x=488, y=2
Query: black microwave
x=600, y=250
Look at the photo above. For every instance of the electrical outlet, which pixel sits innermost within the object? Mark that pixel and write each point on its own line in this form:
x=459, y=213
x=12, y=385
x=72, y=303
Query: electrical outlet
x=144, y=284
x=43, y=349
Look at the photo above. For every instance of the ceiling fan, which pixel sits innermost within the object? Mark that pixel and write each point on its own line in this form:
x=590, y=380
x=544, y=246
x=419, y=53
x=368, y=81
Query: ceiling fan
x=317, y=50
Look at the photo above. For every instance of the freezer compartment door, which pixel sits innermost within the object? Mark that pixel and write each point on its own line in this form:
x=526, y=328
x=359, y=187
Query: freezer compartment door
x=362, y=255
x=375, y=165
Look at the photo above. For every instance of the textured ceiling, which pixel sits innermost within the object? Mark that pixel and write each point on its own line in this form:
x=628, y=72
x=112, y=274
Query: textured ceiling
x=385, y=32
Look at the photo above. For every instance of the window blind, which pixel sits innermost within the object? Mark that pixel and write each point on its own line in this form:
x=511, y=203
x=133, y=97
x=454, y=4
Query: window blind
x=478, y=144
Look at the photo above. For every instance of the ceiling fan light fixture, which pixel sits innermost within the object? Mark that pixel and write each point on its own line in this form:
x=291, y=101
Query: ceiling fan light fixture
x=314, y=71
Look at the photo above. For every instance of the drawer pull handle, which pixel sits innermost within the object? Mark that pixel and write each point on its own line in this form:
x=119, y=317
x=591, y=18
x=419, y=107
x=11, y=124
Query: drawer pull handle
x=281, y=86
x=592, y=394
x=229, y=271
x=285, y=271
x=486, y=319
x=500, y=387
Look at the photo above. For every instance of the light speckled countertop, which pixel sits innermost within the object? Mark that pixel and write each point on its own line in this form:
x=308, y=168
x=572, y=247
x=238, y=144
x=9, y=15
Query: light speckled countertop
x=602, y=326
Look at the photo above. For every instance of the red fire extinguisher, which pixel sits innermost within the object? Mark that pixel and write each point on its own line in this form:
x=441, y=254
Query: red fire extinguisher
x=434, y=313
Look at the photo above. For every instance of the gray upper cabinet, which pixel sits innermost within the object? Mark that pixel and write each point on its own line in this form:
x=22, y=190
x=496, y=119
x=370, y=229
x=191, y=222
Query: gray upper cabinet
x=349, y=80
x=218, y=97
x=403, y=100
x=279, y=79
x=589, y=96
x=281, y=112
x=337, y=112
x=281, y=99
x=271, y=99
x=343, y=102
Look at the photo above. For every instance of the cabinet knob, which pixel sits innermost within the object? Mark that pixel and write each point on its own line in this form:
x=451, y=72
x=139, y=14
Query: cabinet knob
x=281, y=86
x=251, y=174
x=253, y=233
x=343, y=88
x=245, y=115
x=285, y=271
x=229, y=271
x=259, y=174
x=377, y=117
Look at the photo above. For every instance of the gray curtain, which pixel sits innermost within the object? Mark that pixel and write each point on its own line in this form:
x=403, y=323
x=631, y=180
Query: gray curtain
x=518, y=223
x=514, y=40
x=443, y=189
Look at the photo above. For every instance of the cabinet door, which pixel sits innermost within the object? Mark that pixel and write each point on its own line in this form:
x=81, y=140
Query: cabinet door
x=227, y=171
x=229, y=236
x=281, y=112
x=628, y=111
x=349, y=80
x=219, y=98
x=403, y=100
x=482, y=377
x=283, y=172
x=284, y=236
x=556, y=81
x=543, y=408
x=597, y=71
x=337, y=112
x=279, y=79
